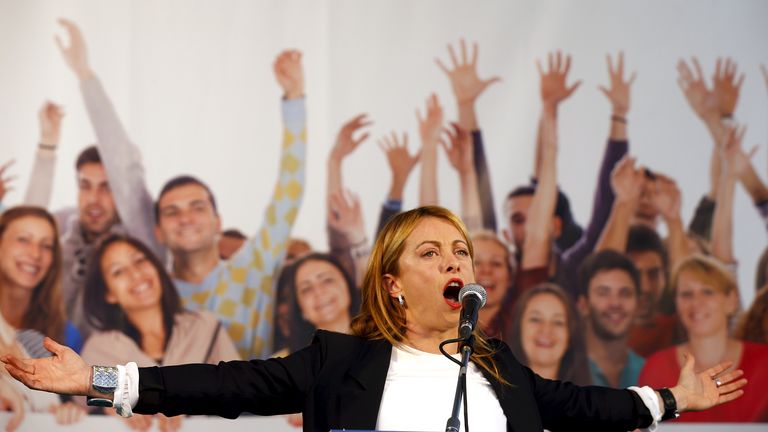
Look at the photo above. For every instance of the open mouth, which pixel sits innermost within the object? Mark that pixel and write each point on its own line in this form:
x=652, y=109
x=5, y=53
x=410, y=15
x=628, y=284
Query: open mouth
x=451, y=292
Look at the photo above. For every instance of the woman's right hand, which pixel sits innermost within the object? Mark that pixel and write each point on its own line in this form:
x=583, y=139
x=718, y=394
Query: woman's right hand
x=64, y=373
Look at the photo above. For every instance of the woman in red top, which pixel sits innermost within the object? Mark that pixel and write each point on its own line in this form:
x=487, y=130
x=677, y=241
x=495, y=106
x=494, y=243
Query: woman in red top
x=706, y=299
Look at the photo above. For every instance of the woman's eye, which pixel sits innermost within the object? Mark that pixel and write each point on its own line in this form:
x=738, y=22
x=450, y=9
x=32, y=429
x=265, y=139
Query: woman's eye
x=430, y=253
x=463, y=252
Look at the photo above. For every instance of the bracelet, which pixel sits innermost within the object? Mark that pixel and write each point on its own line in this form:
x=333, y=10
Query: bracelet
x=44, y=146
x=726, y=116
x=670, y=404
x=619, y=119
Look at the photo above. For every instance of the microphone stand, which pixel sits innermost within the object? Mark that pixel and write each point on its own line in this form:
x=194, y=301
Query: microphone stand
x=454, y=423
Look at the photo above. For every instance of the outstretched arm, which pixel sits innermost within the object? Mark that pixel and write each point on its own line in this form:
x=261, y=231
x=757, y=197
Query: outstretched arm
x=41, y=179
x=429, y=130
x=460, y=155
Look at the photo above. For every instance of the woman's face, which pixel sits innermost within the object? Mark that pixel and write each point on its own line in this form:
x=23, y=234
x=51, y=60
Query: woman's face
x=322, y=293
x=544, y=330
x=433, y=267
x=492, y=270
x=703, y=308
x=132, y=281
x=26, y=251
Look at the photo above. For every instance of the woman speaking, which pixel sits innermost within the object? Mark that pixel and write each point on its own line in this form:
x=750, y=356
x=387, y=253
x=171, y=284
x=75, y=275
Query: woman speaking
x=389, y=374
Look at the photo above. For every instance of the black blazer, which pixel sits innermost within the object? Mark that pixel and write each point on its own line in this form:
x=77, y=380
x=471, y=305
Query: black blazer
x=337, y=382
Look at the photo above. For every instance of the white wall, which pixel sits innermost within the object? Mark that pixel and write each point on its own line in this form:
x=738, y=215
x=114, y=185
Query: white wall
x=192, y=82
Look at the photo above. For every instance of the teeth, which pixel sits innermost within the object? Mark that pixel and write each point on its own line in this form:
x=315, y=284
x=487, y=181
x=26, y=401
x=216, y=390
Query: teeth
x=31, y=269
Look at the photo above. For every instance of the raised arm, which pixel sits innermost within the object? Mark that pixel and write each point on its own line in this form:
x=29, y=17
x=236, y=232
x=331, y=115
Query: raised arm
x=5, y=181
x=346, y=143
x=429, y=130
x=344, y=236
x=460, y=155
x=537, y=247
x=722, y=224
x=401, y=163
x=667, y=200
x=554, y=90
x=467, y=87
x=345, y=218
x=616, y=148
x=121, y=158
x=41, y=179
x=626, y=182
x=252, y=269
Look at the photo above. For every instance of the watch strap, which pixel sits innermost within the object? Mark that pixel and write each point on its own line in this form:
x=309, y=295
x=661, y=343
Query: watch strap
x=670, y=404
x=98, y=402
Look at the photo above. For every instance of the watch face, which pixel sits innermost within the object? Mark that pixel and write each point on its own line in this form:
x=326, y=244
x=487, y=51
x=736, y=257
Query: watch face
x=104, y=379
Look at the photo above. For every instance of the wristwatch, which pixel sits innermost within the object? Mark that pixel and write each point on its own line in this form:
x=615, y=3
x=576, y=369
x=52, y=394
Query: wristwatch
x=104, y=381
x=670, y=404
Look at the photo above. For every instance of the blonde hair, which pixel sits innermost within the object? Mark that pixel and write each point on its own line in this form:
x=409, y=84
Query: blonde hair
x=381, y=316
x=706, y=269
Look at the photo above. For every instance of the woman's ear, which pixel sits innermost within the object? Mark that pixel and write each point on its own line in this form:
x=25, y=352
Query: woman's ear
x=389, y=283
x=732, y=302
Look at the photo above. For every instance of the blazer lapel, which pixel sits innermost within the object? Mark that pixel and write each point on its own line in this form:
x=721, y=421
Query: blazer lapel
x=362, y=388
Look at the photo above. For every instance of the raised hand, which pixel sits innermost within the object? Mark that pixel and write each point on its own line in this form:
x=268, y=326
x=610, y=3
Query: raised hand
x=765, y=74
x=76, y=53
x=702, y=100
x=697, y=392
x=553, y=81
x=618, y=93
x=431, y=125
x=6, y=180
x=666, y=197
x=168, y=424
x=346, y=143
x=460, y=150
x=735, y=161
x=726, y=86
x=11, y=400
x=50, y=116
x=627, y=180
x=401, y=162
x=290, y=74
x=63, y=373
x=345, y=215
x=466, y=84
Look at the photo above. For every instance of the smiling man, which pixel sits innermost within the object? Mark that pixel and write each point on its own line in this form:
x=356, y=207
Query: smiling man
x=608, y=301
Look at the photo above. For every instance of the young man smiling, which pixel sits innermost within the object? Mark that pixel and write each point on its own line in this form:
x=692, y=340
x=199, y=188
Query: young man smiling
x=608, y=301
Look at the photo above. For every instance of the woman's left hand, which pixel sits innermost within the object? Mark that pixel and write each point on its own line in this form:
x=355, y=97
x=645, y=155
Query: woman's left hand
x=714, y=386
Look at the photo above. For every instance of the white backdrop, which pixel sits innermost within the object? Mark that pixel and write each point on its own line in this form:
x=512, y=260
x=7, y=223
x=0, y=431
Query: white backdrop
x=193, y=84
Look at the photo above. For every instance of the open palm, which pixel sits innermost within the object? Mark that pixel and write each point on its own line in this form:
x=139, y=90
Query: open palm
x=65, y=372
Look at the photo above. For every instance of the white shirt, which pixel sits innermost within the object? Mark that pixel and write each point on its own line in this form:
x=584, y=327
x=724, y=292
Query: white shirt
x=419, y=391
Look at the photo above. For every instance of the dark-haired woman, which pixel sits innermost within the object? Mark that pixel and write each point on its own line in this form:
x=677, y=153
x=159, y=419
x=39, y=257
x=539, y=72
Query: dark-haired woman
x=324, y=297
x=132, y=302
x=545, y=335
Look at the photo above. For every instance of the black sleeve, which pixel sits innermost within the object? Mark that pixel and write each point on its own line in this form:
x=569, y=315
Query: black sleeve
x=566, y=406
x=701, y=224
x=485, y=192
x=264, y=387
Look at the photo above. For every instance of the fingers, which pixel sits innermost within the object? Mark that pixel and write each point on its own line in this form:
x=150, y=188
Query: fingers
x=53, y=347
x=463, y=46
x=454, y=62
x=6, y=165
x=714, y=371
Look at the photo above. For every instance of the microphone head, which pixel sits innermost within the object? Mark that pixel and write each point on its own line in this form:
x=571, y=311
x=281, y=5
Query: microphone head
x=473, y=289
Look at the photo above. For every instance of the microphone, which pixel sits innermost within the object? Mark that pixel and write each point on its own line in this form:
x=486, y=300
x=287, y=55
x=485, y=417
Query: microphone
x=472, y=298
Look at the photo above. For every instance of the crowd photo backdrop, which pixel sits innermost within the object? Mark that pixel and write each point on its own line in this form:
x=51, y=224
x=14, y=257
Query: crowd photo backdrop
x=194, y=86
